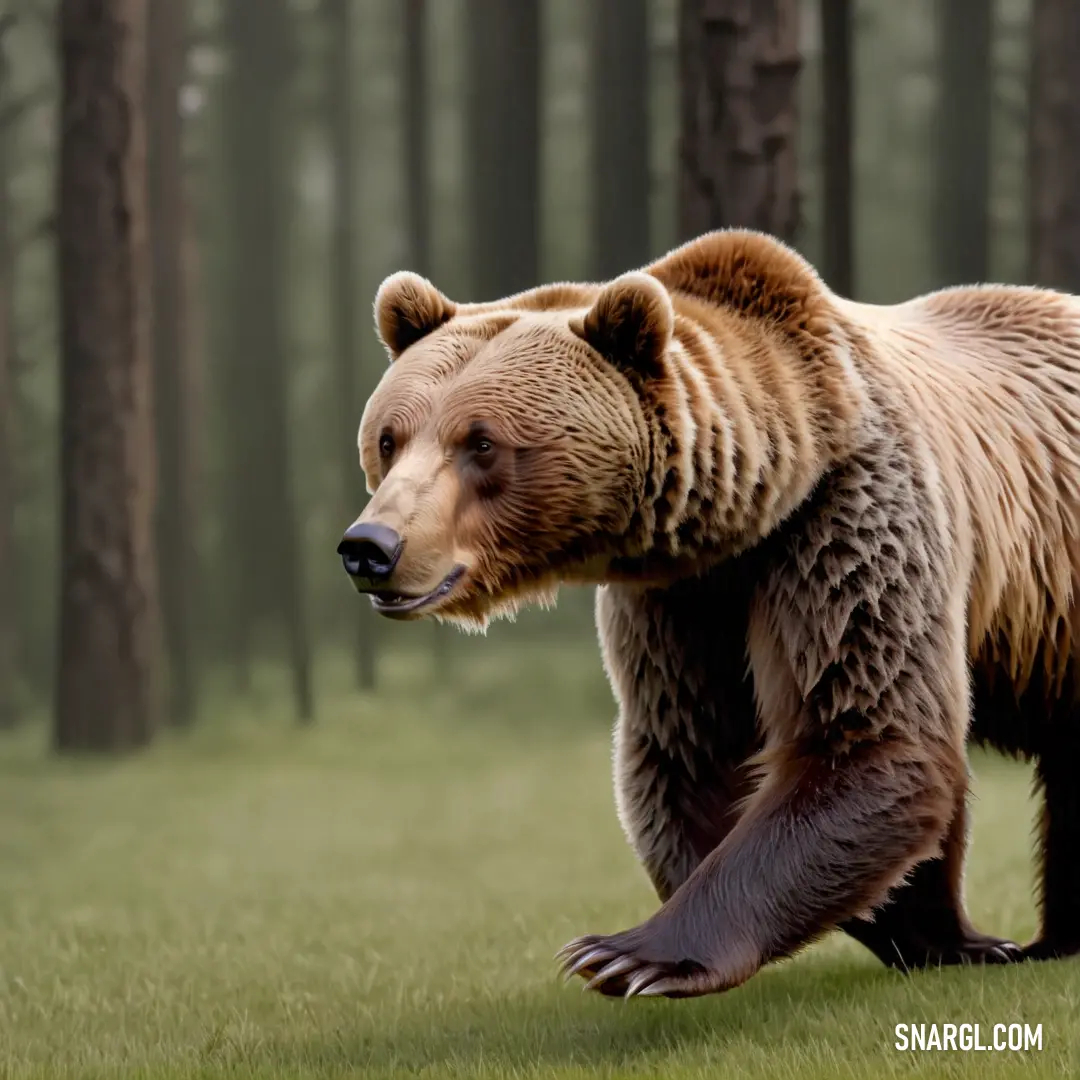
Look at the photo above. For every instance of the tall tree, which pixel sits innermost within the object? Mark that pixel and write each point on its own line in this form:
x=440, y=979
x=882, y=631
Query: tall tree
x=344, y=283
x=503, y=121
x=415, y=81
x=415, y=91
x=739, y=62
x=8, y=625
x=962, y=188
x=193, y=438
x=1054, y=146
x=620, y=136
x=107, y=690
x=836, y=64
x=176, y=525
x=261, y=527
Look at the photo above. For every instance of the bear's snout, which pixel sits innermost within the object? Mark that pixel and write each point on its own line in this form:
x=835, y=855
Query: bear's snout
x=369, y=552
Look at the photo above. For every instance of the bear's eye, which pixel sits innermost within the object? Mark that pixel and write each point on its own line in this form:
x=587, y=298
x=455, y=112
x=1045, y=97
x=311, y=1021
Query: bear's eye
x=479, y=444
x=386, y=444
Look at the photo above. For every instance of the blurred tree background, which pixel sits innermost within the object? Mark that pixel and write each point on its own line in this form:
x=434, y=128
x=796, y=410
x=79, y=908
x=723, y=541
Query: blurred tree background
x=201, y=197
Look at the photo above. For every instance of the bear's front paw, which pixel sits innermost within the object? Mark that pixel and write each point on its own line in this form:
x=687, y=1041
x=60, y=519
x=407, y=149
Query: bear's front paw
x=639, y=962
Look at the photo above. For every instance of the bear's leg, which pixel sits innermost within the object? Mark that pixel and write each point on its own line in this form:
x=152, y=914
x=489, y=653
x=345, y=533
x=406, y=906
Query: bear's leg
x=857, y=641
x=924, y=923
x=687, y=722
x=1042, y=723
x=823, y=840
x=1059, y=841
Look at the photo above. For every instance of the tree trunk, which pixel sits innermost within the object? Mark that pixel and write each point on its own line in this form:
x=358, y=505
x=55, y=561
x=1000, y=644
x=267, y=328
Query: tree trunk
x=503, y=123
x=261, y=527
x=620, y=136
x=1054, y=146
x=9, y=651
x=193, y=437
x=107, y=690
x=344, y=287
x=739, y=63
x=836, y=63
x=176, y=527
x=204, y=321
x=415, y=87
x=962, y=191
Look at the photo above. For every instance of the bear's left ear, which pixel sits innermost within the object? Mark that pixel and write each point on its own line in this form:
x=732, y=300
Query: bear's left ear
x=407, y=308
x=631, y=323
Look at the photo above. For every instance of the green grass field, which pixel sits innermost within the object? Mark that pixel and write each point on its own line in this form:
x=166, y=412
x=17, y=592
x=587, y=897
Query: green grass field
x=382, y=895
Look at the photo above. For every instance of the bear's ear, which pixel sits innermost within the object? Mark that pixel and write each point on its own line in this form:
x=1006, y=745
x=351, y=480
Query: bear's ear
x=407, y=308
x=631, y=323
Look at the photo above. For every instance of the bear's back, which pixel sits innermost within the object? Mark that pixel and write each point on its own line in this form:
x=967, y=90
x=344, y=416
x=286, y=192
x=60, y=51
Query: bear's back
x=991, y=377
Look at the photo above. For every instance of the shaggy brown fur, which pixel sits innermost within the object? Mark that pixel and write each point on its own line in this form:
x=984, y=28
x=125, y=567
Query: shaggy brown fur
x=834, y=541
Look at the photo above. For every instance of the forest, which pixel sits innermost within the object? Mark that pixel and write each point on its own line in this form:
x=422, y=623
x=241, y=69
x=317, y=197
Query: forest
x=180, y=392
x=248, y=828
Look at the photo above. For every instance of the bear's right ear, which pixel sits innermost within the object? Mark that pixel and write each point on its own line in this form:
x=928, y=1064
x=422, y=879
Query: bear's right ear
x=407, y=308
x=631, y=323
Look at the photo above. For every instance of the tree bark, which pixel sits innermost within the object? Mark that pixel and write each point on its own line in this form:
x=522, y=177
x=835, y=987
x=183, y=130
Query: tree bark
x=344, y=285
x=1054, y=146
x=503, y=142
x=415, y=88
x=414, y=85
x=836, y=63
x=176, y=525
x=9, y=631
x=739, y=63
x=620, y=136
x=261, y=526
x=962, y=191
x=193, y=437
x=107, y=689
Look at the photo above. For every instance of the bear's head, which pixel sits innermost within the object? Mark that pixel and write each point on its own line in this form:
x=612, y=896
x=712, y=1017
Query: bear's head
x=507, y=448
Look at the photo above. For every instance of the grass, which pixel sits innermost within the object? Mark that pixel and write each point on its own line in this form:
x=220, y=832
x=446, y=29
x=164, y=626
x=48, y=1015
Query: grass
x=381, y=896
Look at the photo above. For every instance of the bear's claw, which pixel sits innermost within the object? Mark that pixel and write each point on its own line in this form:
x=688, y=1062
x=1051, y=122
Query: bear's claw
x=617, y=967
x=614, y=967
x=1007, y=952
x=645, y=980
x=579, y=957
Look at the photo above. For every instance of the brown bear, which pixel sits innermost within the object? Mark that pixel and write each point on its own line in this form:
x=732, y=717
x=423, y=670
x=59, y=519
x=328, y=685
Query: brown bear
x=833, y=542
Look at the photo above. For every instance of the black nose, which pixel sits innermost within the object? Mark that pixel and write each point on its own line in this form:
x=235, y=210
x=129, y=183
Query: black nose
x=369, y=551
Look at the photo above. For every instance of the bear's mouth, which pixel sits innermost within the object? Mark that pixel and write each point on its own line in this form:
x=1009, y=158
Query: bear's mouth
x=398, y=605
